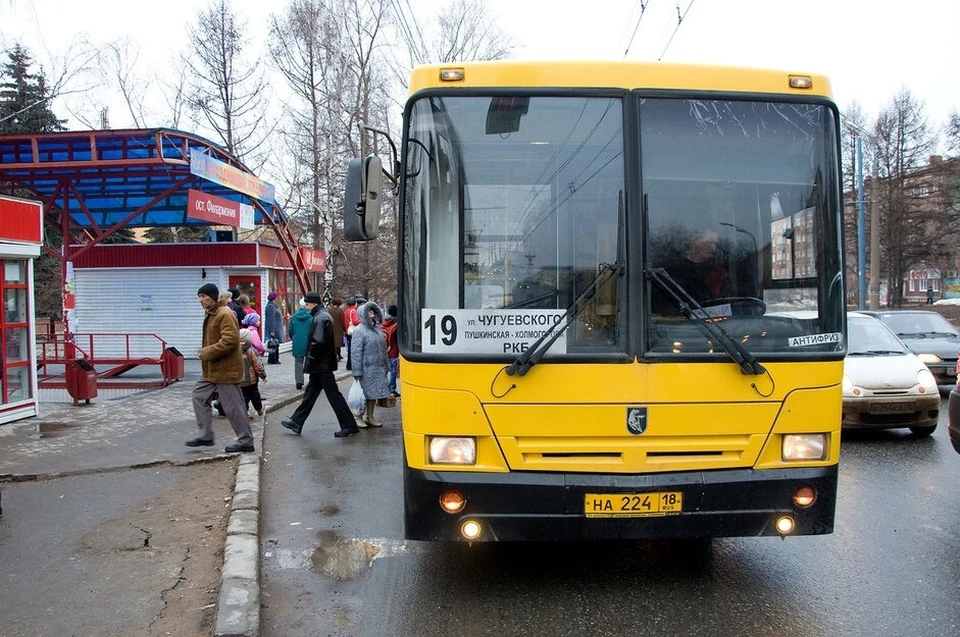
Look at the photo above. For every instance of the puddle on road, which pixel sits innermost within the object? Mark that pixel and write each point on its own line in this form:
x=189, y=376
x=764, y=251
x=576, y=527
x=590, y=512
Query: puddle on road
x=50, y=429
x=344, y=559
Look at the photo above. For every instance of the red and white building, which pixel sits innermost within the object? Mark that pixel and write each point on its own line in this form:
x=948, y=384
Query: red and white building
x=152, y=288
x=21, y=235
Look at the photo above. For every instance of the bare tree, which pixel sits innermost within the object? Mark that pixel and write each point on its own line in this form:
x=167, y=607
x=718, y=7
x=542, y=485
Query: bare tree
x=467, y=32
x=224, y=91
x=328, y=52
x=910, y=221
x=306, y=47
x=118, y=61
x=952, y=134
x=175, y=95
x=463, y=31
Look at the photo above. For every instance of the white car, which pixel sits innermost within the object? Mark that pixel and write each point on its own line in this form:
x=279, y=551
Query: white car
x=885, y=385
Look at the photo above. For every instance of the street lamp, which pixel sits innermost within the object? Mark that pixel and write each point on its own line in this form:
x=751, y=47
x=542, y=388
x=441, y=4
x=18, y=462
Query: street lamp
x=756, y=249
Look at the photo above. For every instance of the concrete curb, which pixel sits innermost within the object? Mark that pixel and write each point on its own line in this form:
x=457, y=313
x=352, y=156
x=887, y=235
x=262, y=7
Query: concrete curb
x=238, y=603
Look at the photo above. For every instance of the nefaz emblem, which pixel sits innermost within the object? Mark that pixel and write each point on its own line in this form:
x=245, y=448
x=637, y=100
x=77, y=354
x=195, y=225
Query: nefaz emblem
x=636, y=420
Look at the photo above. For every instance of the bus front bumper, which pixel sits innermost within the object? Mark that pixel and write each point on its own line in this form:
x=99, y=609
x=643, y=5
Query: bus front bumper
x=522, y=506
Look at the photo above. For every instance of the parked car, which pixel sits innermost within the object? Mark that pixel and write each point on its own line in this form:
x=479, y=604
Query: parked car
x=953, y=418
x=930, y=336
x=885, y=385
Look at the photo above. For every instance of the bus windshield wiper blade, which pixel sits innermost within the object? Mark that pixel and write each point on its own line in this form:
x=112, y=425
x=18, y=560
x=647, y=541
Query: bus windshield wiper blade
x=691, y=310
x=532, y=355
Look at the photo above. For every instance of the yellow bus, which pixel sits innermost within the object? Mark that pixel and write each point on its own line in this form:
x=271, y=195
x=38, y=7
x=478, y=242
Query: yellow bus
x=621, y=300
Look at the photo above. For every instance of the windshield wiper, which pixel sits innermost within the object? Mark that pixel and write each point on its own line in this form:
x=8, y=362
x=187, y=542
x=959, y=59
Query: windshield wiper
x=876, y=352
x=691, y=310
x=532, y=355
x=948, y=334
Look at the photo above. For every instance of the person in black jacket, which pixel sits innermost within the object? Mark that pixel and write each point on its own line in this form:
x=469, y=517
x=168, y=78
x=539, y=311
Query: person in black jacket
x=319, y=365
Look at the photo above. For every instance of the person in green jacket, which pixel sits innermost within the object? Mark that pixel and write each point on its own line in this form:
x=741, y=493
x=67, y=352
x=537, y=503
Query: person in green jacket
x=299, y=329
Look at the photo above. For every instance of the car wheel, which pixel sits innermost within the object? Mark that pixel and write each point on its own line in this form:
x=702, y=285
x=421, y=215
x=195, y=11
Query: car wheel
x=923, y=431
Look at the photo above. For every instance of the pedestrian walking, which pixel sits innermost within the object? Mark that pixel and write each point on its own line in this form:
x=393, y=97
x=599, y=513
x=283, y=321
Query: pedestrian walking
x=350, y=322
x=300, y=337
x=244, y=302
x=252, y=322
x=234, y=304
x=368, y=356
x=339, y=324
x=320, y=363
x=221, y=363
x=273, y=327
x=253, y=373
x=393, y=349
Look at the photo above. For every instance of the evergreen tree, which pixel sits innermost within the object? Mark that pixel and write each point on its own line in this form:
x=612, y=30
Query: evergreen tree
x=24, y=97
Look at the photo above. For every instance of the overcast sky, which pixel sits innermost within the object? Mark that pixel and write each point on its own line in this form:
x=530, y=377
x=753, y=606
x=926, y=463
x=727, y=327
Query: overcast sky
x=868, y=48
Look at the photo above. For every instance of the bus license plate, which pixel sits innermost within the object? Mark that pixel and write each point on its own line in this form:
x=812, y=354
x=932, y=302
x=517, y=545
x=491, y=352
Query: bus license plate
x=632, y=505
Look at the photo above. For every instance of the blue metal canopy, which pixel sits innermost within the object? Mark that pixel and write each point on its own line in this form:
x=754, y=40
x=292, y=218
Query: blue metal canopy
x=101, y=178
x=93, y=183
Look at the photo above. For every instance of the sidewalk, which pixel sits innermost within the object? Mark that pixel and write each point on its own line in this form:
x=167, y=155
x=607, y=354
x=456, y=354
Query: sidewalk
x=150, y=428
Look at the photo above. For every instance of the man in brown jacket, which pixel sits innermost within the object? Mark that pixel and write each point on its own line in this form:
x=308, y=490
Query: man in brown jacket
x=221, y=362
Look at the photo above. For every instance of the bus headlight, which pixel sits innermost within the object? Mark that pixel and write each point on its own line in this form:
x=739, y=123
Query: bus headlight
x=446, y=450
x=804, y=447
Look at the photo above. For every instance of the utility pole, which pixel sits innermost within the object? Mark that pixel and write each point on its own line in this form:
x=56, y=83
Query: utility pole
x=875, y=239
x=861, y=232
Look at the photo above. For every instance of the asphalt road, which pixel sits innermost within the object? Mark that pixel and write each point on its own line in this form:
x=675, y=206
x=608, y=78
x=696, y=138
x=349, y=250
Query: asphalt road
x=334, y=561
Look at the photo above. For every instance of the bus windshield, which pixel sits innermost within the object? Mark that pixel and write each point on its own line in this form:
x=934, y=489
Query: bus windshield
x=511, y=211
x=514, y=205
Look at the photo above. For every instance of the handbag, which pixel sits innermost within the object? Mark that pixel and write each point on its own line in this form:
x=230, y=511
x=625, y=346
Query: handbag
x=389, y=401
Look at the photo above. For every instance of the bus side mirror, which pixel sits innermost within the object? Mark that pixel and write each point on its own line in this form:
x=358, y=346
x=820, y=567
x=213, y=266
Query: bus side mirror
x=361, y=205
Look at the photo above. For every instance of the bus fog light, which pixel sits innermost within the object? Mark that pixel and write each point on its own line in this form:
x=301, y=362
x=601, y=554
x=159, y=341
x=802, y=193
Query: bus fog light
x=804, y=497
x=445, y=450
x=804, y=447
x=470, y=530
x=785, y=525
x=452, y=501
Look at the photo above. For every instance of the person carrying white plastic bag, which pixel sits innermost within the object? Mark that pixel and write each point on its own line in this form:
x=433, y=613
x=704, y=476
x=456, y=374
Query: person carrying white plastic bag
x=355, y=398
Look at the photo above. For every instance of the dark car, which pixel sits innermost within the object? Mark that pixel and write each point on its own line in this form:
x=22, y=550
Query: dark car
x=930, y=336
x=953, y=421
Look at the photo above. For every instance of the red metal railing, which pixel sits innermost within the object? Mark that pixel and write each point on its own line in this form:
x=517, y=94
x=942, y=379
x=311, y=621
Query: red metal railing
x=111, y=355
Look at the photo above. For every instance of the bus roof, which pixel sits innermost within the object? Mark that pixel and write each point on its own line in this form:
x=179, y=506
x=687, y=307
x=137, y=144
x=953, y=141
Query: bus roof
x=617, y=74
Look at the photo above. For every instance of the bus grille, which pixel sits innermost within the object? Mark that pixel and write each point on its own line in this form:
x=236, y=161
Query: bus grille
x=631, y=454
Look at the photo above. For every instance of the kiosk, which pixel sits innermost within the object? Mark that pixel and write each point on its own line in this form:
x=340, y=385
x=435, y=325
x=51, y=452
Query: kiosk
x=21, y=235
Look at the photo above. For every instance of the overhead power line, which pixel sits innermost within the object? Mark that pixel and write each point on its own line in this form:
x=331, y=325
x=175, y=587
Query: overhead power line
x=680, y=18
x=643, y=7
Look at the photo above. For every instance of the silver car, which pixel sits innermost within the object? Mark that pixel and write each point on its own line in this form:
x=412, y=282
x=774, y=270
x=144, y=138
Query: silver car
x=885, y=385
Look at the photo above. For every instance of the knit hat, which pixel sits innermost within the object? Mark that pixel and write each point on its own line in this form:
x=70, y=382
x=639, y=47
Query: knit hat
x=313, y=297
x=271, y=296
x=251, y=319
x=209, y=289
x=245, y=338
x=234, y=293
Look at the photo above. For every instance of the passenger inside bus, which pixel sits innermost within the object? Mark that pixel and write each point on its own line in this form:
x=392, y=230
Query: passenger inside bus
x=698, y=266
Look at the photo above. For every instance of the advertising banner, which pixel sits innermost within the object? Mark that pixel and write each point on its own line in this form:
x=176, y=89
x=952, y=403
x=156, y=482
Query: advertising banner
x=201, y=205
x=314, y=260
x=203, y=165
